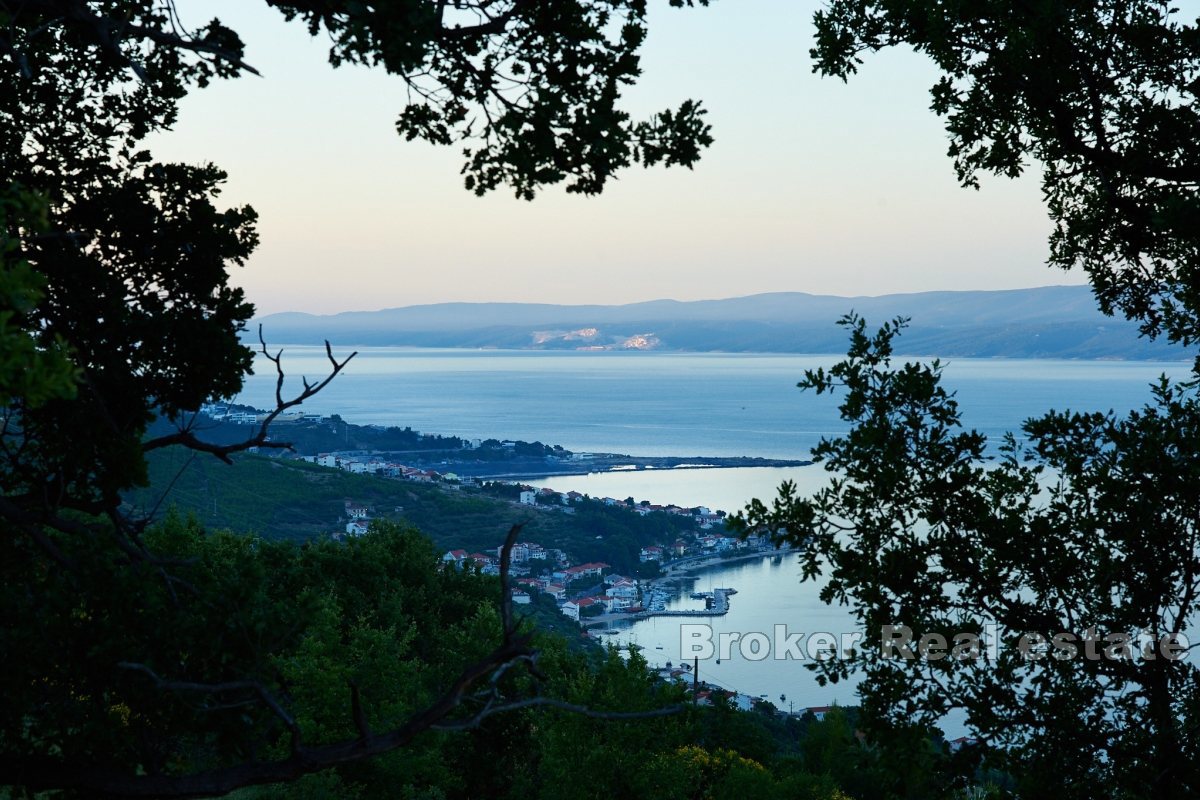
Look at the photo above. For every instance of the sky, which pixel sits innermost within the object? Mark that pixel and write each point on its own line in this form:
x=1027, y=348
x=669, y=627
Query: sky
x=812, y=185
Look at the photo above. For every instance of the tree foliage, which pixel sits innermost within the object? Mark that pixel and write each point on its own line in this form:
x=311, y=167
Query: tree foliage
x=1085, y=527
x=154, y=662
x=1103, y=96
x=132, y=255
x=169, y=678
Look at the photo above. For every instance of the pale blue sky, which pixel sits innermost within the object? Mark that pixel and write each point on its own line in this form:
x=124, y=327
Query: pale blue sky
x=812, y=185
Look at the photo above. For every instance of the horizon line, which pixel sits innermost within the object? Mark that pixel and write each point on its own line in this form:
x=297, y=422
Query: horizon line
x=443, y=303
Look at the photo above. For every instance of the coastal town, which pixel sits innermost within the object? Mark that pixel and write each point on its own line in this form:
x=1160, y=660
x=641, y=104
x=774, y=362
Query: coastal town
x=589, y=592
x=585, y=591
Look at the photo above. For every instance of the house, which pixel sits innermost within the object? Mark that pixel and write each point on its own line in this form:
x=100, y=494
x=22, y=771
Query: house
x=718, y=543
x=355, y=511
x=585, y=603
x=327, y=460
x=961, y=742
x=529, y=497
x=482, y=559
x=520, y=597
x=618, y=602
x=556, y=590
x=589, y=570
x=454, y=556
x=626, y=589
x=819, y=712
x=571, y=610
x=651, y=553
x=518, y=554
x=357, y=528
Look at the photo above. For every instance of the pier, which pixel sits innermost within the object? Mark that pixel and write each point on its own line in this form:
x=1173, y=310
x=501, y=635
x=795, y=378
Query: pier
x=717, y=605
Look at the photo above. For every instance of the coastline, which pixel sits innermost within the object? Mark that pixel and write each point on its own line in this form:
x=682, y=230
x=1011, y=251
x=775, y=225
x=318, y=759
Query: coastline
x=679, y=570
x=604, y=463
x=686, y=566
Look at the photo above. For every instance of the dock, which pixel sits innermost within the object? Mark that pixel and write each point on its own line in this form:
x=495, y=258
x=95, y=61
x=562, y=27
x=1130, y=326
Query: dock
x=716, y=605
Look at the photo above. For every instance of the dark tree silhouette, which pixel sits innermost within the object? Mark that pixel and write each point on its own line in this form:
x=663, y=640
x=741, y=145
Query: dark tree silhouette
x=116, y=309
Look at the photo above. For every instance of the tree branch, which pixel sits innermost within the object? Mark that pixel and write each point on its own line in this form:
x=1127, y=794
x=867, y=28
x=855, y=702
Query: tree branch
x=108, y=32
x=185, y=437
x=44, y=772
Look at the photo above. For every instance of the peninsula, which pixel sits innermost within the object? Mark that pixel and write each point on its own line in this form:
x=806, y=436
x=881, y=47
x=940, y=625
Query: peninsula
x=370, y=448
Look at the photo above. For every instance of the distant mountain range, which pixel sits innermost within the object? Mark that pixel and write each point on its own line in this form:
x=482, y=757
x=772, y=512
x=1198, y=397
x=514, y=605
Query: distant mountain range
x=1045, y=322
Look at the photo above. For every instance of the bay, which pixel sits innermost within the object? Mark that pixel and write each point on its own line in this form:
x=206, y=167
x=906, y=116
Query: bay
x=771, y=602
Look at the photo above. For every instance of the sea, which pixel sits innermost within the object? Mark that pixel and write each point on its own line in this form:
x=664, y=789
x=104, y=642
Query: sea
x=690, y=405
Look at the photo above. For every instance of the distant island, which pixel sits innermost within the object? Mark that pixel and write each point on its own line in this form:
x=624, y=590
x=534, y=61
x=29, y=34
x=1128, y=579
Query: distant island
x=1044, y=322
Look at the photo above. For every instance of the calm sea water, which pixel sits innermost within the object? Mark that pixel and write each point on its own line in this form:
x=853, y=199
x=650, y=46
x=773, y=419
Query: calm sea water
x=693, y=404
x=690, y=405
x=769, y=594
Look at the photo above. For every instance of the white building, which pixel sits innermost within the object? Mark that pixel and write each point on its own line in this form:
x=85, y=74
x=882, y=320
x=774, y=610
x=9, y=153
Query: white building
x=571, y=610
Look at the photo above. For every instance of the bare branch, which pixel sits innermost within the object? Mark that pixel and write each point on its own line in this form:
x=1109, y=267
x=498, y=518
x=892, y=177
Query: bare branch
x=505, y=589
x=256, y=688
x=185, y=437
x=41, y=772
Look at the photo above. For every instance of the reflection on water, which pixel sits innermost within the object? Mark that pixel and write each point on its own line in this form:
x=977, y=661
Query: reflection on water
x=725, y=489
x=769, y=594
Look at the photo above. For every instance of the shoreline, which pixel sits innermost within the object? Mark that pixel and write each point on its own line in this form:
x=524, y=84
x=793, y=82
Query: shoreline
x=677, y=571
x=613, y=463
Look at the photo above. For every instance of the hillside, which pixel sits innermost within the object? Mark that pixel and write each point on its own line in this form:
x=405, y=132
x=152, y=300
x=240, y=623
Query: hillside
x=294, y=500
x=1045, y=322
